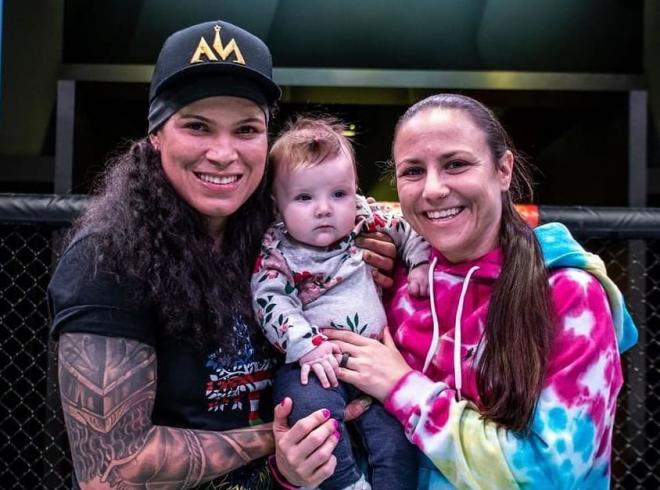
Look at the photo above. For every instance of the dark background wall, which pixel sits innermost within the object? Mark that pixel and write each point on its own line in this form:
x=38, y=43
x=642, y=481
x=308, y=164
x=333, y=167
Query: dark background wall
x=545, y=35
x=578, y=140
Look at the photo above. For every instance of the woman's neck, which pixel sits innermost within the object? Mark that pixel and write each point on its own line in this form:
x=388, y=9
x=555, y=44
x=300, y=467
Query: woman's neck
x=216, y=232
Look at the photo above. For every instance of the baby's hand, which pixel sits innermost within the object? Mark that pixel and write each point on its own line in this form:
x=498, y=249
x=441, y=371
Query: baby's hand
x=322, y=361
x=418, y=280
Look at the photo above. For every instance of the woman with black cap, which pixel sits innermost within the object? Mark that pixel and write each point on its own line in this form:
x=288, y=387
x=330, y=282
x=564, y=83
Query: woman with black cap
x=164, y=376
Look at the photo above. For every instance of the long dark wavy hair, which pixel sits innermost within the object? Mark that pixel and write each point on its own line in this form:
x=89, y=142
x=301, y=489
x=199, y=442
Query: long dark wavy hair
x=520, y=325
x=142, y=228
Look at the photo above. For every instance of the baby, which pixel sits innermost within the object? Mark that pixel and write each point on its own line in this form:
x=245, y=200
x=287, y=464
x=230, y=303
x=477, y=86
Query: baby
x=310, y=275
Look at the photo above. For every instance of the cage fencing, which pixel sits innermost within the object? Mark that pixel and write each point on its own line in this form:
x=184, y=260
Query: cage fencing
x=34, y=445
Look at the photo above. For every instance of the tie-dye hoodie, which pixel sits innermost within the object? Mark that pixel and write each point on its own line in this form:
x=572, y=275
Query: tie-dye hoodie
x=570, y=441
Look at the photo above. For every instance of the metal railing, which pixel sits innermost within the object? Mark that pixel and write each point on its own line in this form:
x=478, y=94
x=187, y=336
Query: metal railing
x=34, y=445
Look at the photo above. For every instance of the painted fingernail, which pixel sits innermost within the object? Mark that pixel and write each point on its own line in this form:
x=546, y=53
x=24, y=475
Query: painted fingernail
x=326, y=413
x=338, y=435
x=335, y=422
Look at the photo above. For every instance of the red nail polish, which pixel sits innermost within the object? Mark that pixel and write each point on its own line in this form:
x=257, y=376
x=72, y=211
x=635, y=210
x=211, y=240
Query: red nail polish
x=336, y=424
x=326, y=413
x=338, y=435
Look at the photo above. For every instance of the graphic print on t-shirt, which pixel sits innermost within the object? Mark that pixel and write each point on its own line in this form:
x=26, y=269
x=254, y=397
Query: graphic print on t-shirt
x=238, y=379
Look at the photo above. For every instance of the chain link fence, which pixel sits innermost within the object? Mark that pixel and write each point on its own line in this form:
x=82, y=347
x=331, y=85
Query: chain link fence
x=34, y=447
x=635, y=266
x=34, y=444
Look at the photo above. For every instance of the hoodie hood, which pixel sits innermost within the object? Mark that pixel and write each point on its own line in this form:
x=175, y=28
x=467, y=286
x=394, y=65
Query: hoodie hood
x=561, y=250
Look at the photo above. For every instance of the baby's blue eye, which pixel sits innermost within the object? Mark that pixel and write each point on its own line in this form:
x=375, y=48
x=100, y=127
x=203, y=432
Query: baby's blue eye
x=339, y=194
x=303, y=197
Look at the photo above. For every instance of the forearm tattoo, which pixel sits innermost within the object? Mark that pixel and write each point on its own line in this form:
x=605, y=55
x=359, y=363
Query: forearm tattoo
x=108, y=386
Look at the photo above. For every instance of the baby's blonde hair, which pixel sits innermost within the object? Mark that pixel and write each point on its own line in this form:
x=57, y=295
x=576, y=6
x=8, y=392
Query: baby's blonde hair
x=307, y=141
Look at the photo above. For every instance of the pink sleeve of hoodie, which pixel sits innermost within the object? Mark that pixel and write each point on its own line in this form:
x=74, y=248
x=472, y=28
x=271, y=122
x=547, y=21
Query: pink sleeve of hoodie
x=569, y=444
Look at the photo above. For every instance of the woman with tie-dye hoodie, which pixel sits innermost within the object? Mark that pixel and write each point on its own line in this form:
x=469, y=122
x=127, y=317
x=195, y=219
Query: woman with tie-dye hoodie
x=507, y=376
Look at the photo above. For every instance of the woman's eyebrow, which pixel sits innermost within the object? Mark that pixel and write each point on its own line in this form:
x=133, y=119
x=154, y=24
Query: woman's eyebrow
x=450, y=154
x=251, y=119
x=442, y=156
x=192, y=115
x=246, y=120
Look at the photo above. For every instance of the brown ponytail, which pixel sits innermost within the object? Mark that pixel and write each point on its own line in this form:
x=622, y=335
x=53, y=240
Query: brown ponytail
x=518, y=332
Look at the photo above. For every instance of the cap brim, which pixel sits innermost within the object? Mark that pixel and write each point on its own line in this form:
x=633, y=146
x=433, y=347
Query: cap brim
x=271, y=90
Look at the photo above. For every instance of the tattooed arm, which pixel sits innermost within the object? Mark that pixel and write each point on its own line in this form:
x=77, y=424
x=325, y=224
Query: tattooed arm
x=108, y=387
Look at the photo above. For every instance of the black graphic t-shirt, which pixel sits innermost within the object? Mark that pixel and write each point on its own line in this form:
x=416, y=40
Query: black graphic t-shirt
x=213, y=391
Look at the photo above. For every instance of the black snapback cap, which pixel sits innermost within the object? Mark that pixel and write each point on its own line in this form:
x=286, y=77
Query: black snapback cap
x=214, y=48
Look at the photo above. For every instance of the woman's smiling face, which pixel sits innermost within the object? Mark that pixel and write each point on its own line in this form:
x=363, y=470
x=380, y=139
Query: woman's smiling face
x=449, y=185
x=213, y=152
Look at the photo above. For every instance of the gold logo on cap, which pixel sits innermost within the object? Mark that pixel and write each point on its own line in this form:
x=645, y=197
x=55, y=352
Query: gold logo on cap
x=203, y=49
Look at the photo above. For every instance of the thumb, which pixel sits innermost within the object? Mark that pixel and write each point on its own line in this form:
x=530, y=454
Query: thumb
x=357, y=407
x=388, y=341
x=282, y=411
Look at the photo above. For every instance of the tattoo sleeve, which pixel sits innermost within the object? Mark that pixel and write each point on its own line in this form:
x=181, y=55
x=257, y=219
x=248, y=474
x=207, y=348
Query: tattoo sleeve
x=108, y=387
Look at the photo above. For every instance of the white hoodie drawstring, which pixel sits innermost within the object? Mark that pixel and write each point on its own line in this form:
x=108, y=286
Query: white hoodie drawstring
x=436, y=328
x=458, y=372
x=458, y=375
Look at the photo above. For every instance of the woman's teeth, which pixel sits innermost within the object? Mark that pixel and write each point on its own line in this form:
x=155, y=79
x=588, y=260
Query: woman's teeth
x=213, y=179
x=445, y=213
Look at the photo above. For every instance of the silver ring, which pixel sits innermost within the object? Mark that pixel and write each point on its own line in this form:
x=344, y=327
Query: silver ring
x=344, y=359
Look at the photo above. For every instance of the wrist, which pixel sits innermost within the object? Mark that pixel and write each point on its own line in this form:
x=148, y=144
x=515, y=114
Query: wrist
x=395, y=386
x=277, y=475
x=418, y=264
x=320, y=348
